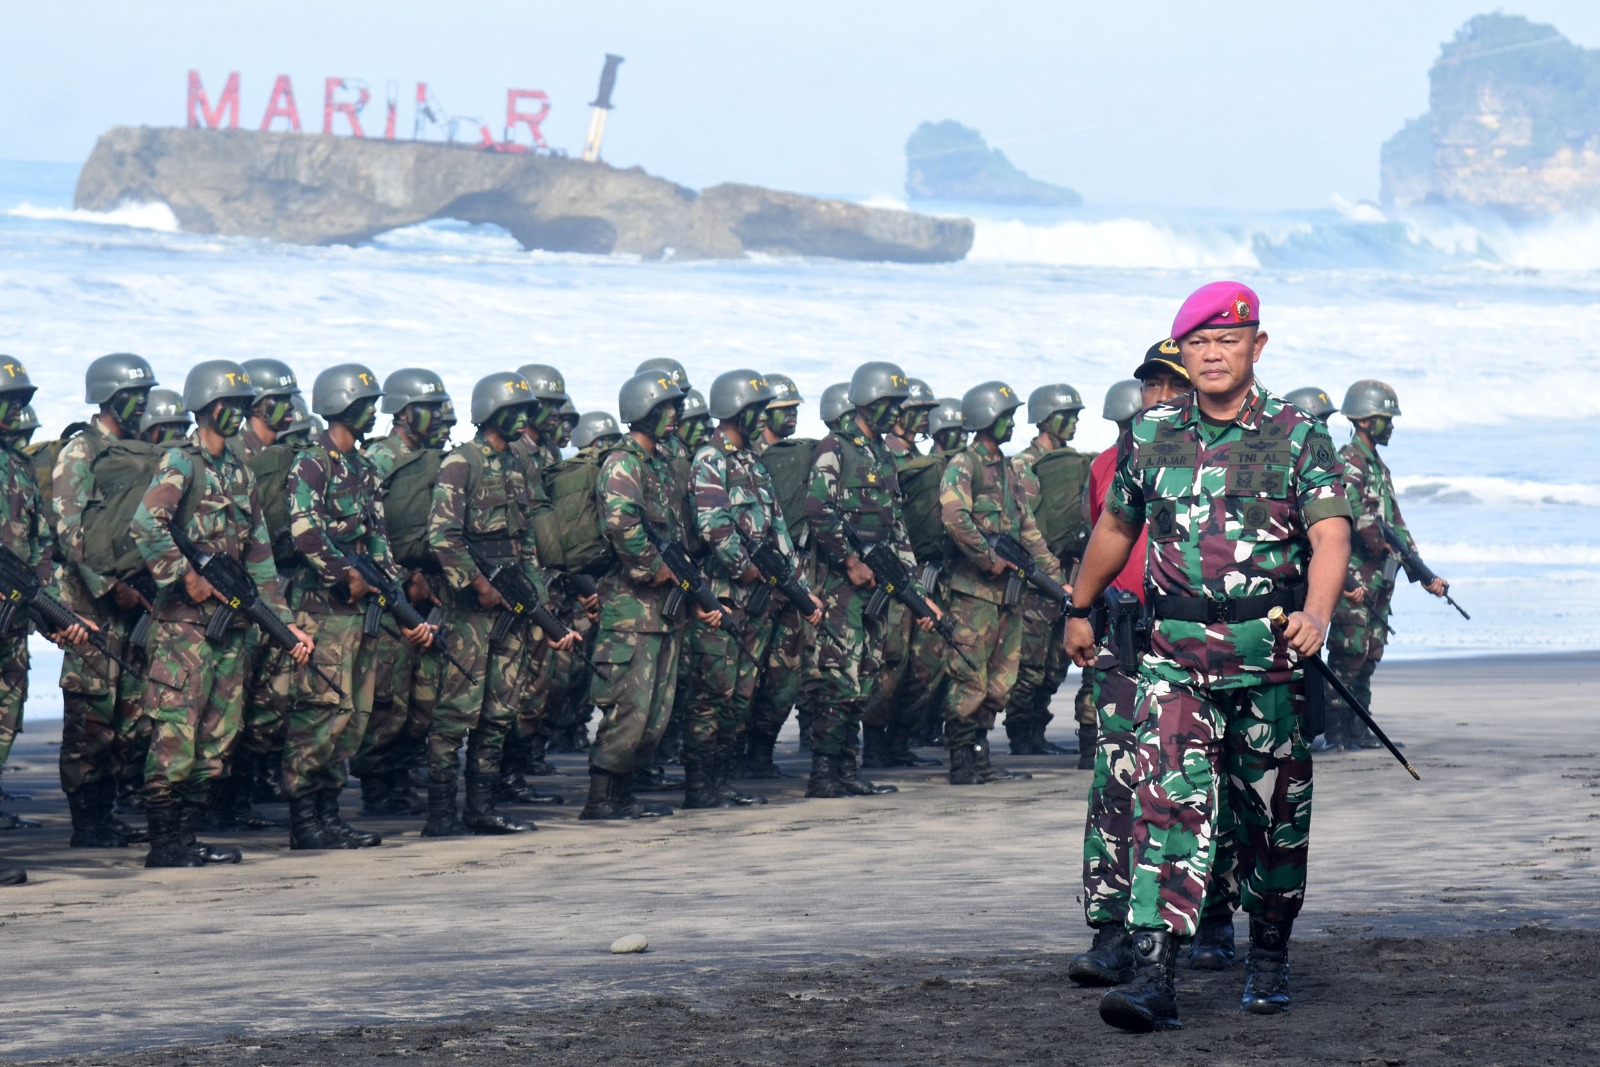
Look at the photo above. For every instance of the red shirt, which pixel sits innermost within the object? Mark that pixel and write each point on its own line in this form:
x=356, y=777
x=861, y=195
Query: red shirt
x=1100, y=473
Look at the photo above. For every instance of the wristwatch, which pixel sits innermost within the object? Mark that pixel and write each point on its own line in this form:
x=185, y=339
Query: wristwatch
x=1074, y=612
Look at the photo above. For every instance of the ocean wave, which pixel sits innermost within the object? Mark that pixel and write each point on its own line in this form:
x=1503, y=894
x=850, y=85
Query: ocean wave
x=139, y=216
x=1496, y=492
x=1533, y=555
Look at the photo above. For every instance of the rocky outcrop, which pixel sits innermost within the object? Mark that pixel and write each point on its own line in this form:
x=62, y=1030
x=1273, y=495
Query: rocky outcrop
x=314, y=189
x=949, y=161
x=1513, y=125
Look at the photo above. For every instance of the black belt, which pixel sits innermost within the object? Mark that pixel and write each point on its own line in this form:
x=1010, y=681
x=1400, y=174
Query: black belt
x=1231, y=609
x=497, y=548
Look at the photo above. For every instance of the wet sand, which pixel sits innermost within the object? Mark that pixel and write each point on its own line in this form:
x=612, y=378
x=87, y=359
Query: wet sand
x=1444, y=918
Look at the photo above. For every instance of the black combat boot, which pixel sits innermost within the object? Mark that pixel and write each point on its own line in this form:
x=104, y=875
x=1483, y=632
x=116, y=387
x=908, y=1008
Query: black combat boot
x=606, y=798
x=699, y=789
x=1020, y=734
x=1151, y=1000
x=647, y=779
x=236, y=791
x=443, y=820
x=1266, y=969
x=1088, y=739
x=105, y=805
x=305, y=826
x=513, y=788
x=377, y=796
x=327, y=803
x=963, y=765
x=1212, y=948
x=804, y=716
x=1335, y=729
x=6, y=794
x=268, y=787
x=1046, y=746
x=166, y=848
x=758, y=761
x=189, y=813
x=824, y=783
x=1109, y=960
x=91, y=828
x=645, y=809
x=405, y=796
x=534, y=760
x=988, y=772
x=900, y=754
x=481, y=816
x=848, y=775
x=13, y=876
x=10, y=821
x=875, y=747
x=722, y=769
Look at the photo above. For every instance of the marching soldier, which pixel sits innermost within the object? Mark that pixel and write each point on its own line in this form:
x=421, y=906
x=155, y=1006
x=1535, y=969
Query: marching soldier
x=981, y=498
x=1240, y=494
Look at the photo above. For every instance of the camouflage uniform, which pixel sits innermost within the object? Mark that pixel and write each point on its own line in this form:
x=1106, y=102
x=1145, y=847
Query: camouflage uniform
x=1359, y=631
x=853, y=479
x=25, y=531
x=980, y=496
x=734, y=509
x=194, y=688
x=1043, y=665
x=634, y=636
x=681, y=490
x=548, y=671
x=483, y=498
x=883, y=706
x=333, y=513
x=1227, y=510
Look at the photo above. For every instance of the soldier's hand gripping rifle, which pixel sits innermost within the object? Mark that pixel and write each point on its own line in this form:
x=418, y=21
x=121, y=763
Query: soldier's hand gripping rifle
x=1277, y=617
x=240, y=597
x=22, y=590
x=388, y=596
x=690, y=580
x=1351, y=585
x=777, y=573
x=1411, y=560
x=894, y=580
x=1028, y=570
x=522, y=605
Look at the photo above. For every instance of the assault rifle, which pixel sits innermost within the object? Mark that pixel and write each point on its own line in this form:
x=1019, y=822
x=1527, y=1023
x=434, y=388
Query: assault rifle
x=1027, y=570
x=522, y=604
x=690, y=580
x=1411, y=560
x=894, y=580
x=777, y=573
x=387, y=596
x=1277, y=617
x=1351, y=585
x=21, y=589
x=239, y=597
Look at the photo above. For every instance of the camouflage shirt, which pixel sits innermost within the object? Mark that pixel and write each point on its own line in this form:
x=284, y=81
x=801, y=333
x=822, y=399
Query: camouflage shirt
x=1227, y=509
x=979, y=496
x=225, y=520
x=734, y=509
x=1027, y=481
x=1370, y=489
x=483, y=496
x=901, y=448
x=23, y=528
x=853, y=479
x=333, y=513
x=384, y=454
x=72, y=487
x=634, y=488
x=247, y=444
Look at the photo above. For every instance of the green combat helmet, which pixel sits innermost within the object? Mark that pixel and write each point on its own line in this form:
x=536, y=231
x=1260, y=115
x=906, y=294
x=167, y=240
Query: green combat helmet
x=166, y=409
x=412, y=385
x=1124, y=400
x=594, y=427
x=497, y=392
x=302, y=424
x=671, y=367
x=569, y=423
x=944, y=424
x=919, y=395
x=785, y=394
x=216, y=380
x=341, y=387
x=22, y=428
x=545, y=382
x=1046, y=400
x=120, y=384
x=694, y=420
x=878, y=389
x=271, y=377
x=16, y=391
x=984, y=405
x=835, y=404
x=1367, y=398
x=740, y=396
x=641, y=394
x=1313, y=401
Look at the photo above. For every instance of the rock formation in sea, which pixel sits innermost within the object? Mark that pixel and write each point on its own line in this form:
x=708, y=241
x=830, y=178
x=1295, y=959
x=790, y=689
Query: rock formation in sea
x=949, y=161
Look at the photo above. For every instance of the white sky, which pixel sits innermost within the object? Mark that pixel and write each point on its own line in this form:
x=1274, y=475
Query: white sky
x=1241, y=105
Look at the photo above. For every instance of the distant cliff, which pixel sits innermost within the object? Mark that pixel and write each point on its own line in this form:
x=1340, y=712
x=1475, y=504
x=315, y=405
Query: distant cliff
x=312, y=189
x=949, y=161
x=1513, y=124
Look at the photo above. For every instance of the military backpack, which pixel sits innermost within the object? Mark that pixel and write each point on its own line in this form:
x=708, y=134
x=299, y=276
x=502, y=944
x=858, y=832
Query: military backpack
x=271, y=467
x=123, y=472
x=580, y=545
x=788, y=464
x=920, y=478
x=44, y=455
x=407, y=496
x=1061, y=512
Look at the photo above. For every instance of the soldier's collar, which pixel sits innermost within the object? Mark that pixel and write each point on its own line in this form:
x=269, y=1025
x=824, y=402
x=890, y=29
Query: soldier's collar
x=1249, y=416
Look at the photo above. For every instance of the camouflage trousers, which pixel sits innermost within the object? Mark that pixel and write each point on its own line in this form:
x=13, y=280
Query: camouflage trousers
x=723, y=671
x=480, y=711
x=1041, y=668
x=95, y=700
x=991, y=636
x=13, y=690
x=1189, y=742
x=847, y=665
x=634, y=689
x=1356, y=640
x=269, y=698
x=324, y=729
x=883, y=699
x=923, y=692
x=782, y=673
x=194, y=700
x=404, y=692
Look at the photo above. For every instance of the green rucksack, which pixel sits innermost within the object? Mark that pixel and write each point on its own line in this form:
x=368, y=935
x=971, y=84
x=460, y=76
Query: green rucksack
x=788, y=464
x=581, y=546
x=271, y=467
x=920, y=478
x=407, y=496
x=44, y=455
x=1061, y=512
x=123, y=472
